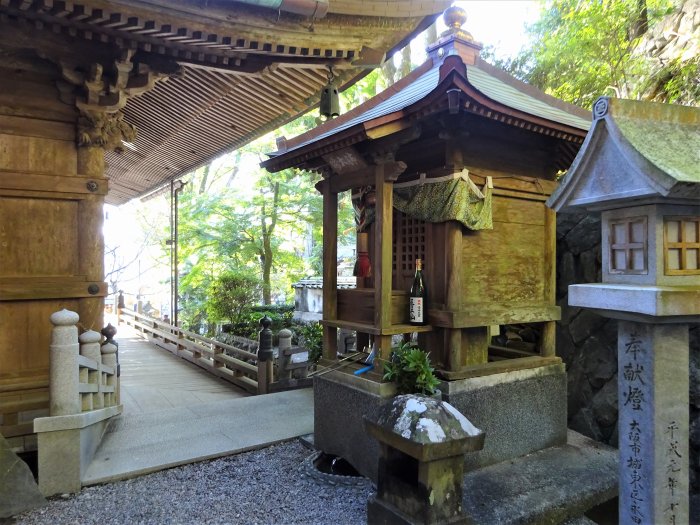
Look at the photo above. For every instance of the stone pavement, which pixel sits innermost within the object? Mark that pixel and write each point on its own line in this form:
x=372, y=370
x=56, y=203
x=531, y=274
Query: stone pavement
x=176, y=413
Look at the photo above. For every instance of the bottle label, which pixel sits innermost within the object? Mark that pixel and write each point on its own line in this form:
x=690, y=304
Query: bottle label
x=415, y=314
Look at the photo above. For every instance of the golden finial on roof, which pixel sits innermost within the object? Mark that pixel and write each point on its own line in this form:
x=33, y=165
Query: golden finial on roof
x=454, y=18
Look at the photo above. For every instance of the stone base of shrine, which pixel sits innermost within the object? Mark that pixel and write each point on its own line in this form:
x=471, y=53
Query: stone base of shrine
x=341, y=400
x=520, y=412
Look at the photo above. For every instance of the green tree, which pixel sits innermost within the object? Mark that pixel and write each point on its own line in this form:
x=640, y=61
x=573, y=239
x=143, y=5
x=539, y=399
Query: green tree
x=230, y=295
x=582, y=49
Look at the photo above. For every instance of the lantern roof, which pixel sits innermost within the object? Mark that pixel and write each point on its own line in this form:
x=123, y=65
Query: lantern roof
x=636, y=152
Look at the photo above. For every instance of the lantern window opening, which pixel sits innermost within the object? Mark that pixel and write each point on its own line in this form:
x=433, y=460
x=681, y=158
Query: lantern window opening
x=628, y=246
x=681, y=245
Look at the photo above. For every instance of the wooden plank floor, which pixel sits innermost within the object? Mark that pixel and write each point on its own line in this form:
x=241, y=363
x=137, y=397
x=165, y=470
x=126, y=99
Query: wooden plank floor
x=153, y=379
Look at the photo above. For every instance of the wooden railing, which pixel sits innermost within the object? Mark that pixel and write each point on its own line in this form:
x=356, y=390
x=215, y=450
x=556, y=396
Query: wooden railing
x=236, y=364
x=249, y=364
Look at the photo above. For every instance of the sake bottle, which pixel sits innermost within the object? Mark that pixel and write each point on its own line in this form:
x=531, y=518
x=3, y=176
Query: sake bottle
x=417, y=297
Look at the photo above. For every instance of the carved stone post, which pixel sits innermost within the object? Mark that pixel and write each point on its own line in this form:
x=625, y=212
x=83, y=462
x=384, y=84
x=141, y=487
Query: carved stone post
x=90, y=348
x=265, y=356
x=63, y=386
x=285, y=343
x=110, y=357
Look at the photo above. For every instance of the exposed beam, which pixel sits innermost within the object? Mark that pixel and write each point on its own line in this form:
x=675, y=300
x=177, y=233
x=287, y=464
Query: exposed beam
x=363, y=177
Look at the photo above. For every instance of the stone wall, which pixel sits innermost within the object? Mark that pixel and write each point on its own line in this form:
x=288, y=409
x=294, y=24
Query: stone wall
x=588, y=343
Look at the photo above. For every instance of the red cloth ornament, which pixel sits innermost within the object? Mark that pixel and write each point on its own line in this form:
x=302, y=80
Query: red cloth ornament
x=363, y=266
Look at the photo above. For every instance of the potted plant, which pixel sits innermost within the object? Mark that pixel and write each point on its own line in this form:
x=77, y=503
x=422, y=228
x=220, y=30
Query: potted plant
x=409, y=367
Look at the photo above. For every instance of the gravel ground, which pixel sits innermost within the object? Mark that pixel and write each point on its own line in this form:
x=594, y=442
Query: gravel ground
x=267, y=486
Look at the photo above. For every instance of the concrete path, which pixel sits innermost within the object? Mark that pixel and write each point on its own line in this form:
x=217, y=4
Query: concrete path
x=166, y=423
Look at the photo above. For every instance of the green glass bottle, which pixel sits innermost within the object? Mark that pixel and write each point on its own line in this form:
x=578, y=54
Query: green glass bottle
x=417, y=297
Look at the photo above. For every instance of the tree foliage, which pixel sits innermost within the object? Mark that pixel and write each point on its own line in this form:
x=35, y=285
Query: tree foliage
x=582, y=49
x=230, y=294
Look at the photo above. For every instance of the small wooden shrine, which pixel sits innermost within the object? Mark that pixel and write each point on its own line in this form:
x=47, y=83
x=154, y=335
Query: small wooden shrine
x=452, y=165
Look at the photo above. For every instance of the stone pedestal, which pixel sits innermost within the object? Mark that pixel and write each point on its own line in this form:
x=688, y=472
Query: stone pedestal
x=653, y=394
x=67, y=444
x=340, y=402
x=521, y=411
x=653, y=422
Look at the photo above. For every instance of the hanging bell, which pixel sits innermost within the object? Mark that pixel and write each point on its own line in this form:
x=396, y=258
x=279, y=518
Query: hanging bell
x=330, y=103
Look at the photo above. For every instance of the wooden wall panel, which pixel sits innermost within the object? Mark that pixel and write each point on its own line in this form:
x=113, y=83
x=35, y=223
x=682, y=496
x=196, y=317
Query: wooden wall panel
x=506, y=265
x=51, y=246
x=32, y=94
x=35, y=154
x=25, y=335
x=39, y=237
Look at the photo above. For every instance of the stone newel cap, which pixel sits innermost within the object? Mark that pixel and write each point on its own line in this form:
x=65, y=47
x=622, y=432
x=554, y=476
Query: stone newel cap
x=90, y=337
x=64, y=318
x=425, y=428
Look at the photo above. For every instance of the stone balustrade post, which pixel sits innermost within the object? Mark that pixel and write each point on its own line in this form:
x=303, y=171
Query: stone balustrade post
x=63, y=386
x=110, y=357
x=265, y=356
x=285, y=343
x=90, y=348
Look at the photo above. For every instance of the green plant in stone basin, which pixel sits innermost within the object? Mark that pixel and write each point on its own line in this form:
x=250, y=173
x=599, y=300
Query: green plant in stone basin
x=409, y=367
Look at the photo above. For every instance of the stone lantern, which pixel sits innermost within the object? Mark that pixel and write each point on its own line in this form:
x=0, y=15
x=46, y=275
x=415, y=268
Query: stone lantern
x=421, y=462
x=640, y=168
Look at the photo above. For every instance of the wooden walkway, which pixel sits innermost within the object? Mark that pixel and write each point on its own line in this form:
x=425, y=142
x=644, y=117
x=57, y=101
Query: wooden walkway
x=177, y=413
x=153, y=379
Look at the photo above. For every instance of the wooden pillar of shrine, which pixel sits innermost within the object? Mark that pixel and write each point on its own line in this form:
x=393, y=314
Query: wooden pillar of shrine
x=382, y=263
x=330, y=271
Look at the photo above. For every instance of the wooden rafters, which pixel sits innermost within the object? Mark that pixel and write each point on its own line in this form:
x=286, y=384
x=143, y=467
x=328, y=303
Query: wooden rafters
x=246, y=70
x=243, y=39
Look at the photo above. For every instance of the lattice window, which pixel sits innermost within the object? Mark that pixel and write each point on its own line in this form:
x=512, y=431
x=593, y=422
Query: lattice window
x=682, y=245
x=628, y=245
x=409, y=244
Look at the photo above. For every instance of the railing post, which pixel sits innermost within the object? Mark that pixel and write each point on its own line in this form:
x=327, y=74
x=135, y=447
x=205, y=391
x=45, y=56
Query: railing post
x=110, y=357
x=90, y=348
x=265, y=356
x=285, y=343
x=121, y=305
x=63, y=386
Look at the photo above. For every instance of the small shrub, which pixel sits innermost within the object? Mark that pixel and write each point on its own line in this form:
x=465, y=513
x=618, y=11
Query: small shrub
x=310, y=336
x=230, y=295
x=409, y=367
x=248, y=324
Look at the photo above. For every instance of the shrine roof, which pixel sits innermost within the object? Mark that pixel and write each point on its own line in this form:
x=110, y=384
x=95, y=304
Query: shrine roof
x=235, y=69
x=397, y=101
x=635, y=151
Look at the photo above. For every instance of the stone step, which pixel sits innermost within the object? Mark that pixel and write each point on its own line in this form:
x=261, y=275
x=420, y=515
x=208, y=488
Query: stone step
x=583, y=520
x=550, y=486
